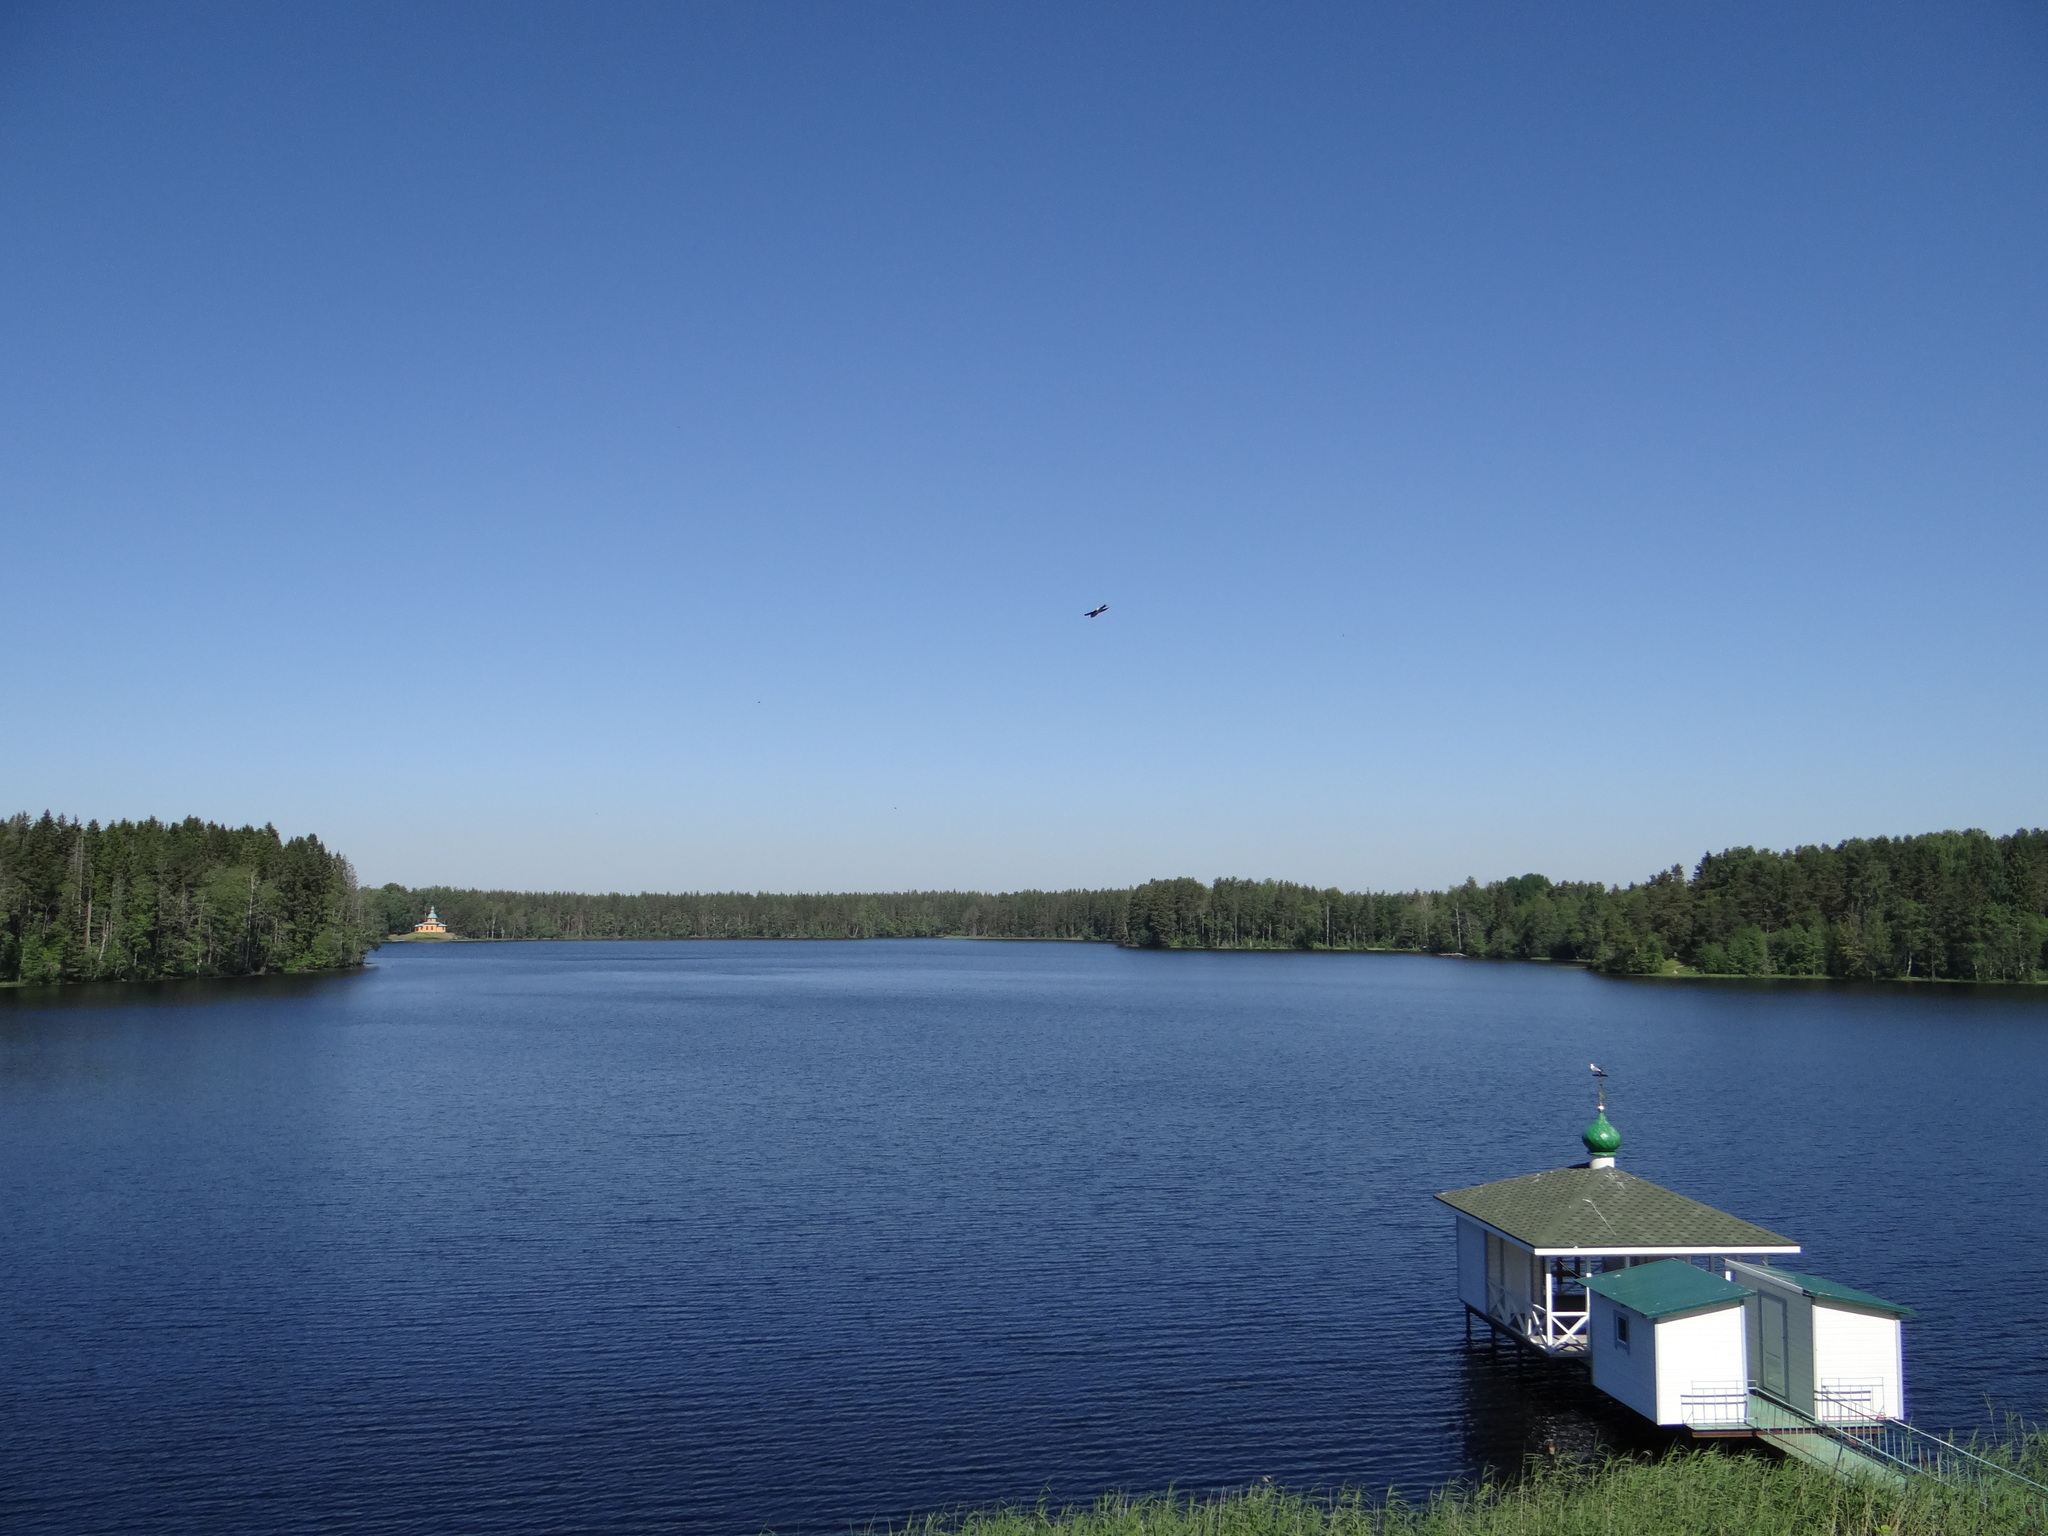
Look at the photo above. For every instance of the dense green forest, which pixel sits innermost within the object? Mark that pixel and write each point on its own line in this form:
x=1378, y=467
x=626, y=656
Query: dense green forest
x=1097, y=915
x=1948, y=905
x=144, y=900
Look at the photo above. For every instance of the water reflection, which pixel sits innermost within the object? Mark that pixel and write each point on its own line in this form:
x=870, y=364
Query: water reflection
x=191, y=992
x=1523, y=1408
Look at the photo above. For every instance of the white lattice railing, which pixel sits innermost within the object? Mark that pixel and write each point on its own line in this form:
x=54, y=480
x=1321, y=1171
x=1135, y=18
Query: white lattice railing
x=1714, y=1404
x=1552, y=1330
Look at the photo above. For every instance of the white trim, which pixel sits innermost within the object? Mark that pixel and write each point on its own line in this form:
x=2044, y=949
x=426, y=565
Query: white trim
x=1647, y=1253
x=1613, y=1253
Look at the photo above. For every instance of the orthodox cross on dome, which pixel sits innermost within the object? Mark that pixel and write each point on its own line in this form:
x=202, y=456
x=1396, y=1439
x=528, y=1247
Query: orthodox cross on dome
x=1601, y=1138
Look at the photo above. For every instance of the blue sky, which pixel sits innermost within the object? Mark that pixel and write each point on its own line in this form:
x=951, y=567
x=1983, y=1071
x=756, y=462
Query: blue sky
x=672, y=446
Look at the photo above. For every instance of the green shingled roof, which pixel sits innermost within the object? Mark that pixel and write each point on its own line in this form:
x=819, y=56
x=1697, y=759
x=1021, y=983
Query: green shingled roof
x=1832, y=1290
x=1605, y=1209
x=1666, y=1288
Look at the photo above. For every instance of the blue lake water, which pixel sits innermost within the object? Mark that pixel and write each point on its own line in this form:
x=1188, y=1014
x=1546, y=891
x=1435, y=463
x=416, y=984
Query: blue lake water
x=731, y=1237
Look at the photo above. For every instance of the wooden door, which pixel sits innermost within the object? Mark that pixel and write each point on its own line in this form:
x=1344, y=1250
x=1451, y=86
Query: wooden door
x=1774, y=1345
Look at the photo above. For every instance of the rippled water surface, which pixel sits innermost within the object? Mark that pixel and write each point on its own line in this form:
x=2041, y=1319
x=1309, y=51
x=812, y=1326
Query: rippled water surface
x=725, y=1237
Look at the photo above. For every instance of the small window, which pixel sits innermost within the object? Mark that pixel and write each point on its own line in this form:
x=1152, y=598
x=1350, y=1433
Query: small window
x=1621, y=1329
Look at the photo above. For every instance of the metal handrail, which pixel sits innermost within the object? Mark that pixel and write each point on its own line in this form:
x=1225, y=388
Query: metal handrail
x=1900, y=1442
x=1895, y=1444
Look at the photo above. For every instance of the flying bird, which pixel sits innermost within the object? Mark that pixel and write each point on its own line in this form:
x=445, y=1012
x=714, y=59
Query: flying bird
x=1096, y=613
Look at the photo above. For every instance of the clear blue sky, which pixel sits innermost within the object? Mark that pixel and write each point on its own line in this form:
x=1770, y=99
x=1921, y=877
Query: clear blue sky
x=671, y=446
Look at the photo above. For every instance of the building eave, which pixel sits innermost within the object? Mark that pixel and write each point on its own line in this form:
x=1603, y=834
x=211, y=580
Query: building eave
x=1618, y=1252
x=1647, y=1253
x=1682, y=1314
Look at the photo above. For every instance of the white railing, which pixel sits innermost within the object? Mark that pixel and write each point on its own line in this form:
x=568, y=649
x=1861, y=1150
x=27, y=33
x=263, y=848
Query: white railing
x=1715, y=1404
x=1550, y=1330
x=1849, y=1402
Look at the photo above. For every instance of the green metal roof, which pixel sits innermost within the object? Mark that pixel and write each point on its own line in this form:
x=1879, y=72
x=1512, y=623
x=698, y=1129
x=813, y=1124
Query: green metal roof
x=1666, y=1288
x=1830, y=1290
x=1602, y=1209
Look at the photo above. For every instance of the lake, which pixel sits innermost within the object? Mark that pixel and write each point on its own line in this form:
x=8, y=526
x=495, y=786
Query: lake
x=725, y=1237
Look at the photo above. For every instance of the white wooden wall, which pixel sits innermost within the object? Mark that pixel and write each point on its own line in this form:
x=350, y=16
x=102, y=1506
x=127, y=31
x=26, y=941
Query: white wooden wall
x=1858, y=1354
x=1704, y=1353
x=1472, y=1264
x=1664, y=1363
x=1513, y=1280
x=1627, y=1375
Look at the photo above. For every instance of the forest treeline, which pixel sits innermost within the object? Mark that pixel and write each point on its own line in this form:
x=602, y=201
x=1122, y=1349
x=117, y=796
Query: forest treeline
x=147, y=900
x=1096, y=915
x=1947, y=905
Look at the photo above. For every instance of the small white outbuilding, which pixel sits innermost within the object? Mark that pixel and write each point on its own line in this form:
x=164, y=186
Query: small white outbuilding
x=1827, y=1349
x=1670, y=1340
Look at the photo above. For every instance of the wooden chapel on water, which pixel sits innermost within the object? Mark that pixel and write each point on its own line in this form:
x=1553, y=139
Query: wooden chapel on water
x=1675, y=1305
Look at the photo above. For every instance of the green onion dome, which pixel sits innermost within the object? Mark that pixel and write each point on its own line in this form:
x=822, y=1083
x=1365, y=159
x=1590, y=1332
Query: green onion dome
x=1601, y=1138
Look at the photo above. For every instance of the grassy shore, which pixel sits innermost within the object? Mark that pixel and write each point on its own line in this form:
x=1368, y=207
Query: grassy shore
x=1685, y=1494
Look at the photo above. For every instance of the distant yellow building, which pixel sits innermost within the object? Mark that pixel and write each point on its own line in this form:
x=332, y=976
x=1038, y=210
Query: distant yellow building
x=433, y=924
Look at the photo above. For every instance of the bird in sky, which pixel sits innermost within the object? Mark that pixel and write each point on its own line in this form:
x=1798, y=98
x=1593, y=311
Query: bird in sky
x=1096, y=613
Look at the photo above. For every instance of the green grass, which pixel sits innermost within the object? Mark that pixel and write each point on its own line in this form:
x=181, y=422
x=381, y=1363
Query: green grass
x=1684, y=1494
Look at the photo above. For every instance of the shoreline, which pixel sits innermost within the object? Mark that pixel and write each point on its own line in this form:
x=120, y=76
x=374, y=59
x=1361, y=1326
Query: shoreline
x=13, y=988
x=1683, y=1492
x=1676, y=972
